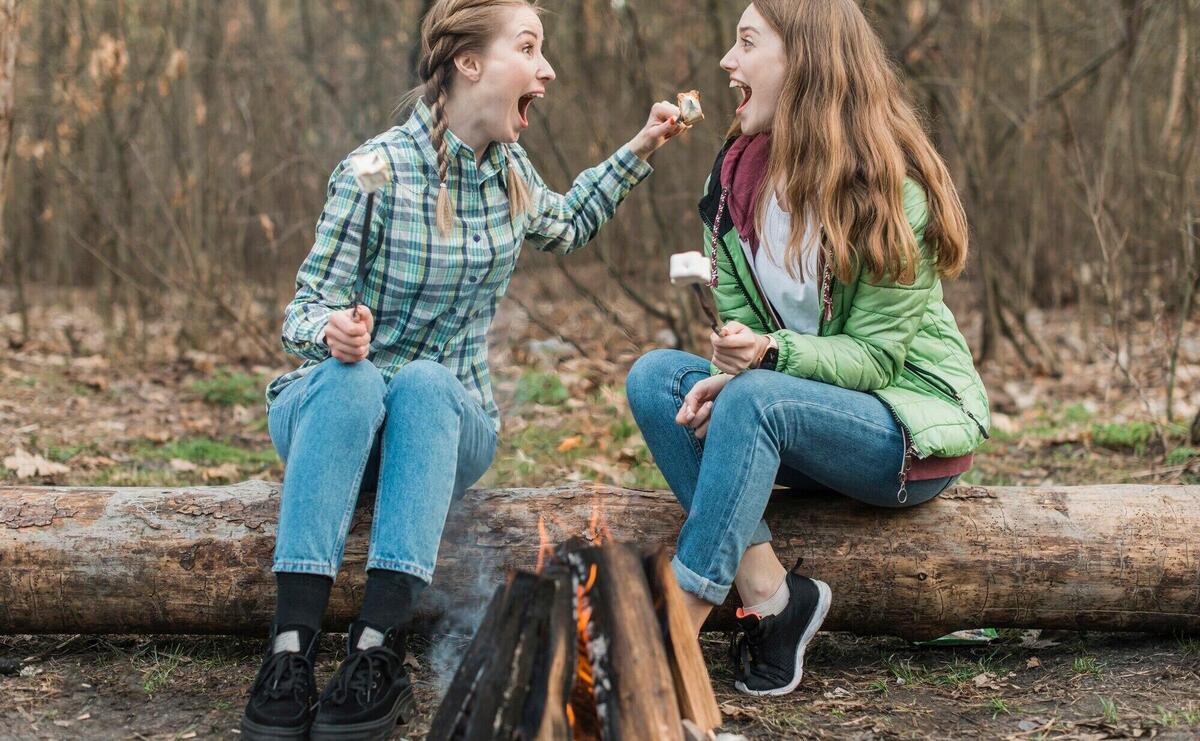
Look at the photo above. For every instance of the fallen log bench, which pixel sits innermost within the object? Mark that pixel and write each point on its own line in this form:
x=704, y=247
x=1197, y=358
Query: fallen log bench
x=198, y=559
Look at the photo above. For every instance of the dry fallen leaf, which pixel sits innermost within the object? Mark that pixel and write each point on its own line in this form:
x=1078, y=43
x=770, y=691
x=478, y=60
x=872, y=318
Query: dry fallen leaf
x=182, y=466
x=223, y=472
x=1033, y=663
x=570, y=443
x=28, y=466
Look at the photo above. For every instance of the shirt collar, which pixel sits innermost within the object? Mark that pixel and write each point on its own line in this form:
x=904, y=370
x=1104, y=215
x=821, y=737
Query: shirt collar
x=420, y=126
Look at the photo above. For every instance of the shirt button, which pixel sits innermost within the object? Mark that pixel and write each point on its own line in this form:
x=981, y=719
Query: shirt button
x=472, y=279
x=477, y=237
x=453, y=311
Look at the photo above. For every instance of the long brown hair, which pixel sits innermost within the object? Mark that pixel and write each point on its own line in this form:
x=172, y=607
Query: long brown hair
x=844, y=138
x=450, y=29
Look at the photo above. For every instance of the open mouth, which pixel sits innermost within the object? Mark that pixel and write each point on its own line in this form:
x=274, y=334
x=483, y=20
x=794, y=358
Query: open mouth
x=523, y=106
x=746, y=93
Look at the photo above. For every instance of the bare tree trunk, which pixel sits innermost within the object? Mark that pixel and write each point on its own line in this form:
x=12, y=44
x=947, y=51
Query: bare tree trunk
x=198, y=559
x=8, y=64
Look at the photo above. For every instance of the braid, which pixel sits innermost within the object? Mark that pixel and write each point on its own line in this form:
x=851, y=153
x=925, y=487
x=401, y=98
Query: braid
x=448, y=29
x=436, y=92
x=519, y=200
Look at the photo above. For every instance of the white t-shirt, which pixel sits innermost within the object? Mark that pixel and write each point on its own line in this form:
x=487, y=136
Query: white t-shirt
x=798, y=302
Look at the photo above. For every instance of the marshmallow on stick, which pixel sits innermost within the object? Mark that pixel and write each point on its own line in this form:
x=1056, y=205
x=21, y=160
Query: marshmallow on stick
x=690, y=112
x=693, y=269
x=371, y=173
x=689, y=267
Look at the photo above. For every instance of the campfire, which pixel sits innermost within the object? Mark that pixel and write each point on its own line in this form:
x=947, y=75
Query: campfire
x=594, y=643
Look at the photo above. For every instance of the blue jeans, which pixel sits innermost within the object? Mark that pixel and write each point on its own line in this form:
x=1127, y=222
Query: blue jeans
x=766, y=428
x=418, y=441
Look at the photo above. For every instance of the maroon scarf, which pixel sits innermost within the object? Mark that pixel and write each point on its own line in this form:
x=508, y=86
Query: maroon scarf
x=742, y=173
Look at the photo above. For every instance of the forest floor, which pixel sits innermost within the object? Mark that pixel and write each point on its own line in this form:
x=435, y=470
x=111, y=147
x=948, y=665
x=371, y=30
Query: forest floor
x=72, y=412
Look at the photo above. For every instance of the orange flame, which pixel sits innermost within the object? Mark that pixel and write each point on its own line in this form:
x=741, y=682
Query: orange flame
x=544, y=547
x=583, y=662
x=597, y=530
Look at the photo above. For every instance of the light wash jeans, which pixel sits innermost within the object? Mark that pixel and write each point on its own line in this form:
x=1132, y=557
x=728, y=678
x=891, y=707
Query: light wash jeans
x=418, y=442
x=766, y=428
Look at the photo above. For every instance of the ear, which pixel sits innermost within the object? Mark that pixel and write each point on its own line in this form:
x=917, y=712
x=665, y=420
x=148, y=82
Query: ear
x=469, y=66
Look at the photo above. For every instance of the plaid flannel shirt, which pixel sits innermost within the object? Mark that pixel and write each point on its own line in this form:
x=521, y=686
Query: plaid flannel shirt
x=434, y=297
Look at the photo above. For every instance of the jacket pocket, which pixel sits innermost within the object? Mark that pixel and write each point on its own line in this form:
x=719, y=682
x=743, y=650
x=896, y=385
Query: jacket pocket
x=942, y=387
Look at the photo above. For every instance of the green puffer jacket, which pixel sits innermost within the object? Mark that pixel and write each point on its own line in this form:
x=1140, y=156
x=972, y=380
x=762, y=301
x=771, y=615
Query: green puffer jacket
x=898, y=342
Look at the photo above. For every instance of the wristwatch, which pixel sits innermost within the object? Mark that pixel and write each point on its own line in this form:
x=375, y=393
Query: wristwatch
x=770, y=355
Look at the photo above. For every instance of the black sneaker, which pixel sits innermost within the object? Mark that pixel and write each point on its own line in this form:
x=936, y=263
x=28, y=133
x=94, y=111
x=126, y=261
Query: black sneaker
x=769, y=651
x=371, y=692
x=284, y=693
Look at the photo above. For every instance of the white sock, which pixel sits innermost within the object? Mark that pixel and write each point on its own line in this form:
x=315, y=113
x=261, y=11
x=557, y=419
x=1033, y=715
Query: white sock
x=774, y=604
x=287, y=641
x=369, y=639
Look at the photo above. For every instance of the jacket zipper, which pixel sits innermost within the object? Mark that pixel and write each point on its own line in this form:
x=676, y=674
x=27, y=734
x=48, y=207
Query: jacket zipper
x=736, y=276
x=911, y=451
x=941, y=385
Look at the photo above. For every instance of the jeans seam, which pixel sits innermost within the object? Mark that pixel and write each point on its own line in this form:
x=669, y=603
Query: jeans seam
x=408, y=567
x=724, y=517
x=730, y=502
x=352, y=500
x=676, y=387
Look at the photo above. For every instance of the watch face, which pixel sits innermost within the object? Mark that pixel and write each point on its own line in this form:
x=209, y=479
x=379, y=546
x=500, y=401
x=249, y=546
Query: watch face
x=769, y=359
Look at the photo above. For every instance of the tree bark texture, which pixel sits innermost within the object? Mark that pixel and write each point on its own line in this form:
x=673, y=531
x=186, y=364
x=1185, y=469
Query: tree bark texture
x=198, y=559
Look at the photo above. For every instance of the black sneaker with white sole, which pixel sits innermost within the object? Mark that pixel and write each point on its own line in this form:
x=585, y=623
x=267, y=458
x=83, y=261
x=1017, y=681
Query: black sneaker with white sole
x=284, y=693
x=769, y=651
x=371, y=692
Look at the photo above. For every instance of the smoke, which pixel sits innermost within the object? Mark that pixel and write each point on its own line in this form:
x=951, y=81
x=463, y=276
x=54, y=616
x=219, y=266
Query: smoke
x=460, y=620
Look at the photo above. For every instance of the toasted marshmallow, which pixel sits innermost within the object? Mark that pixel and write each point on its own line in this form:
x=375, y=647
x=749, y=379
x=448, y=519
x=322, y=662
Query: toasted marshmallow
x=690, y=267
x=370, y=171
x=689, y=107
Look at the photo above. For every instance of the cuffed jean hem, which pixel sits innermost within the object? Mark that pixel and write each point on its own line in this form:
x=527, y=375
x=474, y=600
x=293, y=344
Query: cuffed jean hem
x=407, y=567
x=305, y=567
x=693, y=583
x=761, y=534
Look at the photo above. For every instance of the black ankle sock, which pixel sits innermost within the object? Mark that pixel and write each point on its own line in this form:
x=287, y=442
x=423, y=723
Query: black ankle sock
x=301, y=599
x=391, y=597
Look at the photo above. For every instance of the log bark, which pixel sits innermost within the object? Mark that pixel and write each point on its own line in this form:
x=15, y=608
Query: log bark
x=514, y=679
x=630, y=677
x=693, y=688
x=198, y=559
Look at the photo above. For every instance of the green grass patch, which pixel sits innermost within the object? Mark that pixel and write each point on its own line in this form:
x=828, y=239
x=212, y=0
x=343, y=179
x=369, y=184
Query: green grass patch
x=64, y=453
x=1089, y=665
x=623, y=429
x=902, y=669
x=998, y=707
x=541, y=388
x=1135, y=436
x=1179, y=456
x=227, y=388
x=1109, y=709
x=203, y=450
x=162, y=665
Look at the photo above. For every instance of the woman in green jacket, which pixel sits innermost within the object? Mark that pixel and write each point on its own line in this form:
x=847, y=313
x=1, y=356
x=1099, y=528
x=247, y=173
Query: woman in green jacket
x=830, y=221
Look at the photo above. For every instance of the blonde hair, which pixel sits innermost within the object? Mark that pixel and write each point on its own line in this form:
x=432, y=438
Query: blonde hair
x=450, y=29
x=845, y=137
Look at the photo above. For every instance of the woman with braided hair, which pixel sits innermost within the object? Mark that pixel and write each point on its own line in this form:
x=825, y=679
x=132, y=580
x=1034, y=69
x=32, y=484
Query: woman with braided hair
x=394, y=394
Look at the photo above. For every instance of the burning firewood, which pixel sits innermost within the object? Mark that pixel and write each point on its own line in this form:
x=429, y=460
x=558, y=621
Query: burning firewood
x=594, y=647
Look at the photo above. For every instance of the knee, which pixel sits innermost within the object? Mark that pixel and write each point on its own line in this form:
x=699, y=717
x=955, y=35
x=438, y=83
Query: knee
x=424, y=379
x=356, y=388
x=745, y=392
x=650, y=377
